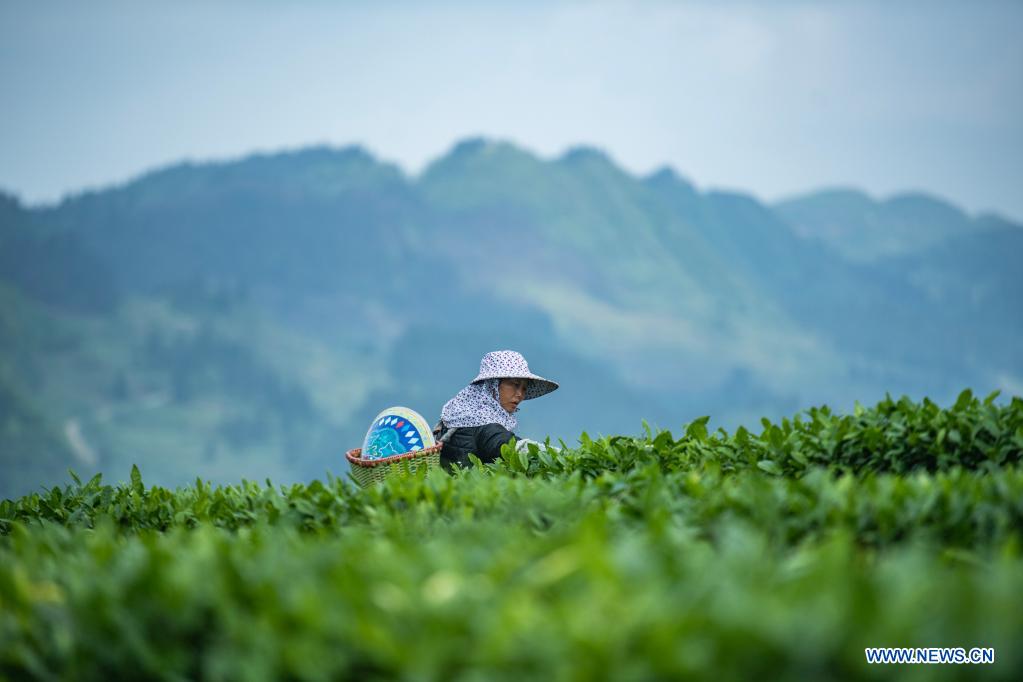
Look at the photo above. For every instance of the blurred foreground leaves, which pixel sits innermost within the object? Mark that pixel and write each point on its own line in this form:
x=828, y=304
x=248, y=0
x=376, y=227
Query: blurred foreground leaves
x=623, y=558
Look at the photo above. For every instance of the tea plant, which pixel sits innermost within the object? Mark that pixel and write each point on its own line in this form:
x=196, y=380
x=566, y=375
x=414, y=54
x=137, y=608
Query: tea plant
x=712, y=555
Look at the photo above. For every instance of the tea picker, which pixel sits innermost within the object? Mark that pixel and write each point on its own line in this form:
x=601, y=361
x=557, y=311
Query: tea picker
x=479, y=419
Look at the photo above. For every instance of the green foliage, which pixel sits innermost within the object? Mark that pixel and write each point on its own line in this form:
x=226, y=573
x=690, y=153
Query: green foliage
x=132, y=315
x=897, y=436
x=957, y=508
x=483, y=600
x=717, y=556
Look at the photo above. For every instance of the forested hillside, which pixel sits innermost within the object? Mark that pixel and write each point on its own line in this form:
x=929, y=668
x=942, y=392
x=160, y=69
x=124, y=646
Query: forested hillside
x=248, y=318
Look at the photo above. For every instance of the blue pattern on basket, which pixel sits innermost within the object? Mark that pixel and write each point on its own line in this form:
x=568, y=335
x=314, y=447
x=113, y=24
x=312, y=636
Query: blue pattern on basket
x=392, y=435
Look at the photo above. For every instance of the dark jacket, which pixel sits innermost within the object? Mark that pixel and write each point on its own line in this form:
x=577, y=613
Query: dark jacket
x=484, y=441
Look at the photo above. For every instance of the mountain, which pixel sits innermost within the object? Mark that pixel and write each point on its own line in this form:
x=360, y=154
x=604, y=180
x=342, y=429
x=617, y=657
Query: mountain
x=249, y=318
x=956, y=272
x=864, y=230
x=52, y=266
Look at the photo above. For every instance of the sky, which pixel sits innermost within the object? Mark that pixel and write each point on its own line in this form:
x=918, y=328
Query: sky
x=770, y=98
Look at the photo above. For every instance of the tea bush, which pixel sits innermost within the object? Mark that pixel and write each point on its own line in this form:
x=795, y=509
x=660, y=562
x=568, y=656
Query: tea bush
x=713, y=555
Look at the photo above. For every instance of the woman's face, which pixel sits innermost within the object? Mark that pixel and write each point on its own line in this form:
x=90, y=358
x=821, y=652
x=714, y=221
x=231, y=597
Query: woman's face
x=511, y=392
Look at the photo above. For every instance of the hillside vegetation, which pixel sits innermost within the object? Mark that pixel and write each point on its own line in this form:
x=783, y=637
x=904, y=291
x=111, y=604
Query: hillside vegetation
x=249, y=318
x=781, y=553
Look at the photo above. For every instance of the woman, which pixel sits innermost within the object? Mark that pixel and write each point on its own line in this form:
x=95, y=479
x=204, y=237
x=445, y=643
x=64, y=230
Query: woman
x=481, y=416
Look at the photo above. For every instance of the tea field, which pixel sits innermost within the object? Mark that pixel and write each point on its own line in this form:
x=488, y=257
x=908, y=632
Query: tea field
x=781, y=554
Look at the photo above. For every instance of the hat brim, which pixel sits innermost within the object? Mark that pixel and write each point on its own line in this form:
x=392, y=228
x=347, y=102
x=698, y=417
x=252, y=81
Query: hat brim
x=538, y=386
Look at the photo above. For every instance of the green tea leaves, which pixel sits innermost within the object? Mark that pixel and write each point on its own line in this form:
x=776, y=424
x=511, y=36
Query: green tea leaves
x=136, y=480
x=709, y=555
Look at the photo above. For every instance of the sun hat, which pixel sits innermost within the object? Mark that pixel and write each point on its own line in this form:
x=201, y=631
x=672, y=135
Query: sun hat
x=508, y=364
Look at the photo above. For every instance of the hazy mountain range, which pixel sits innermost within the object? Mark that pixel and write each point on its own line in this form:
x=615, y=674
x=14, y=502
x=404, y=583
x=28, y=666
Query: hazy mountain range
x=249, y=318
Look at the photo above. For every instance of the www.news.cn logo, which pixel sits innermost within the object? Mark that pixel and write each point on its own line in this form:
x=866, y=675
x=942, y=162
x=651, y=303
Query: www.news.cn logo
x=954, y=655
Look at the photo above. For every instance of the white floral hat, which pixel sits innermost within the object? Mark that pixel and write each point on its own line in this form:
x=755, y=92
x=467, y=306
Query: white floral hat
x=507, y=364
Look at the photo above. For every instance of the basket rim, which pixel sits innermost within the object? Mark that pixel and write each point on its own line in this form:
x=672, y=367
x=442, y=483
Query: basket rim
x=353, y=456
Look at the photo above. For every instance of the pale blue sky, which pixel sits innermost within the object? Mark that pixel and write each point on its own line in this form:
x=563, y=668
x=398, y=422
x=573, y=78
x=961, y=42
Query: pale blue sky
x=773, y=98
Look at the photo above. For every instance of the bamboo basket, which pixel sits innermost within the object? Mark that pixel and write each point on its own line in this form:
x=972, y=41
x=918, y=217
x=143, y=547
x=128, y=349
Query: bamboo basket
x=368, y=471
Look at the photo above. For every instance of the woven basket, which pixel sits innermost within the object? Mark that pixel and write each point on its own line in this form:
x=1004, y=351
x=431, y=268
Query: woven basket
x=369, y=471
